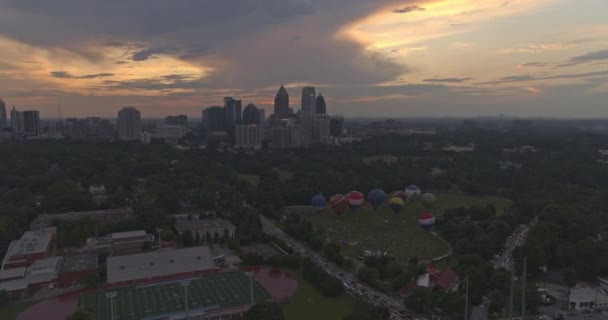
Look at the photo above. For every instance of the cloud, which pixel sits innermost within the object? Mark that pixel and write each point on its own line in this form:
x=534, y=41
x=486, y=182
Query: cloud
x=533, y=64
x=67, y=75
x=447, y=80
x=592, y=56
x=525, y=78
x=409, y=9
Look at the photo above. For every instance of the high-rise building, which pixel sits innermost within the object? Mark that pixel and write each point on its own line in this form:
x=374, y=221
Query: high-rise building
x=250, y=114
x=31, y=122
x=181, y=120
x=321, y=107
x=321, y=133
x=249, y=136
x=261, y=117
x=287, y=135
x=16, y=120
x=214, y=119
x=3, y=119
x=129, y=124
x=308, y=99
x=171, y=133
x=336, y=126
x=307, y=120
x=233, y=112
x=281, y=104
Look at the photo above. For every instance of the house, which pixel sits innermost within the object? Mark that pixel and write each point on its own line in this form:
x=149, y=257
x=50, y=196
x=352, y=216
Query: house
x=446, y=279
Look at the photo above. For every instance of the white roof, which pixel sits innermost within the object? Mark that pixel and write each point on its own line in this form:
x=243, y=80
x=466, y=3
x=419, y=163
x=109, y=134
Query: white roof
x=42, y=270
x=582, y=293
x=31, y=242
x=424, y=280
x=128, y=234
x=158, y=263
x=12, y=273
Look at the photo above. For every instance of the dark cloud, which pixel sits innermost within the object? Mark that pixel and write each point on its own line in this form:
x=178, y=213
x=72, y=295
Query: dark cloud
x=524, y=78
x=592, y=56
x=447, y=80
x=67, y=75
x=409, y=9
x=148, y=53
x=295, y=38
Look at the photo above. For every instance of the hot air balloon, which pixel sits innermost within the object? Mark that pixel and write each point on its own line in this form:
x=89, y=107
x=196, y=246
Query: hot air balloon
x=338, y=203
x=427, y=198
x=355, y=200
x=412, y=191
x=400, y=194
x=318, y=201
x=376, y=197
x=396, y=204
x=426, y=220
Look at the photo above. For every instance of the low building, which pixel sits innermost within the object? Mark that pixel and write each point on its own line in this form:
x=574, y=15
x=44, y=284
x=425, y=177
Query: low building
x=588, y=297
x=206, y=227
x=76, y=269
x=46, y=220
x=120, y=243
x=159, y=265
x=41, y=274
x=32, y=245
x=447, y=280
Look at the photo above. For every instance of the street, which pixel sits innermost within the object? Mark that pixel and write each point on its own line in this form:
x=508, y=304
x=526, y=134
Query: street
x=517, y=239
x=350, y=281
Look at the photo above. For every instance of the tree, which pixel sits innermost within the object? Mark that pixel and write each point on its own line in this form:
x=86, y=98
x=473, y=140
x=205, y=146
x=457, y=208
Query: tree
x=265, y=311
x=4, y=298
x=92, y=281
x=79, y=314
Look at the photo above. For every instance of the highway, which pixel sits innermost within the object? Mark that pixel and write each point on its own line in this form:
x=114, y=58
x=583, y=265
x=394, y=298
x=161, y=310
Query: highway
x=516, y=239
x=351, y=283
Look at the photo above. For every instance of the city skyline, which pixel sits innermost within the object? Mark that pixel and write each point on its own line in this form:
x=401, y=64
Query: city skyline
x=387, y=58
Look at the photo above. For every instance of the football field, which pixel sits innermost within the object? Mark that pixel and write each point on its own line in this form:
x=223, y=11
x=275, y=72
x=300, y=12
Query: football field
x=155, y=301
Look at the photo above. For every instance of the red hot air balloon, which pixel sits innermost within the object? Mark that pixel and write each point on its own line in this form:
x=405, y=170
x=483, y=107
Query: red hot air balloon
x=355, y=200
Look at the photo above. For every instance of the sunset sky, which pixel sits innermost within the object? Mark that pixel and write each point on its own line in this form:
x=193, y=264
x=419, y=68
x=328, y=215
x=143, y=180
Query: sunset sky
x=375, y=58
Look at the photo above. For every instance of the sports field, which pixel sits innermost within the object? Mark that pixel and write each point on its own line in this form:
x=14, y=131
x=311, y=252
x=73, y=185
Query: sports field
x=398, y=234
x=206, y=293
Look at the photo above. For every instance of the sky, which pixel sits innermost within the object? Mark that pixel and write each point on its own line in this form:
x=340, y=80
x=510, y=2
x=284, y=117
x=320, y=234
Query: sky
x=380, y=58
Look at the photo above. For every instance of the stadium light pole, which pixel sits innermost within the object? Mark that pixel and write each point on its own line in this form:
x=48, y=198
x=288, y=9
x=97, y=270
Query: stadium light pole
x=111, y=296
x=185, y=284
x=250, y=274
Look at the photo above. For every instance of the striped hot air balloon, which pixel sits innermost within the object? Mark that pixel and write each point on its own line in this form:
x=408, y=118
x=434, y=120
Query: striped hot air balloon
x=338, y=203
x=426, y=220
x=412, y=191
x=355, y=200
x=396, y=203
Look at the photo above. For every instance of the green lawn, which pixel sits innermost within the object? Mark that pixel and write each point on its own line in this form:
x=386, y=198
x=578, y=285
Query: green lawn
x=284, y=175
x=11, y=311
x=398, y=234
x=308, y=303
x=252, y=179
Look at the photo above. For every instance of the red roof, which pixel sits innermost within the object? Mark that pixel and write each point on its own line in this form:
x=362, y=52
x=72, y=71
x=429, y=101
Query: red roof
x=411, y=286
x=445, y=279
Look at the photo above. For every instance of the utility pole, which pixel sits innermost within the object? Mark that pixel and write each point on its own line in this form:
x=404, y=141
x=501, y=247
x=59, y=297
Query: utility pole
x=251, y=275
x=111, y=296
x=511, y=291
x=185, y=284
x=523, y=289
x=466, y=300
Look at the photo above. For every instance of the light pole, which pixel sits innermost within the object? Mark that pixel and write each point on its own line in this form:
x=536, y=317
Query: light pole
x=250, y=274
x=185, y=284
x=111, y=296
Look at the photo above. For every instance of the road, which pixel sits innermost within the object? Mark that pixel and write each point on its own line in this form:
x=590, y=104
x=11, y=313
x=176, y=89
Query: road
x=516, y=239
x=351, y=283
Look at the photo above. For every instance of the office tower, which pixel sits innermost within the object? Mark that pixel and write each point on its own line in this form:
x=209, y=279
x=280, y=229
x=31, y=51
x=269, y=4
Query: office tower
x=180, y=120
x=31, y=122
x=281, y=104
x=214, y=119
x=308, y=99
x=16, y=120
x=321, y=132
x=250, y=114
x=336, y=126
x=321, y=107
x=249, y=136
x=261, y=117
x=129, y=124
x=3, y=120
x=233, y=112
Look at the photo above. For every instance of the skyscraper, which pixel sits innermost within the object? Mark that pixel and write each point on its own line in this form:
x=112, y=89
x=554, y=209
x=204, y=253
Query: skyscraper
x=281, y=104
x=214, y=119
x=250, y=114
x=3, y=120
x=321, y=107
x=233, y=112
x=181, y=120
x=129, y=124
x=308, y=99
x=16, y=120
x=31, y=122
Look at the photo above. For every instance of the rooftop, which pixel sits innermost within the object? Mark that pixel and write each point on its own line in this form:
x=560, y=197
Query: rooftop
x=41, y=271
x=31, y=242
x=159, y=263
x=12, y=273
x=203, y=225
x=445, y=279
x=80, y=262
x=128, y=234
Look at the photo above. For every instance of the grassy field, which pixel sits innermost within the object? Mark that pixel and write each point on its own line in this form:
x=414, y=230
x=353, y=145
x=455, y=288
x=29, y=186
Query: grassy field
x=204, y=293
x=308, y=303
x=11, y=311
x=284, y=175
x=398, y=234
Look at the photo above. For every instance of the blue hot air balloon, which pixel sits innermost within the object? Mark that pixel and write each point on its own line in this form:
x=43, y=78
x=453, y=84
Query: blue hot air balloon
x=318, y=201
x=376, y=197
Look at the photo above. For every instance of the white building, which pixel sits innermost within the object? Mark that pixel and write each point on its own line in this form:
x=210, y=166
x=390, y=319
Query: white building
x=129, y=124
x=588, y=297
x=170, y=133
x=322, y=132
x=249, y=136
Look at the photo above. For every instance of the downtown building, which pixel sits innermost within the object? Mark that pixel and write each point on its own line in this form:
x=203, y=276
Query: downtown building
x=249, y=137
x=129, y=124
x=3, y=117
